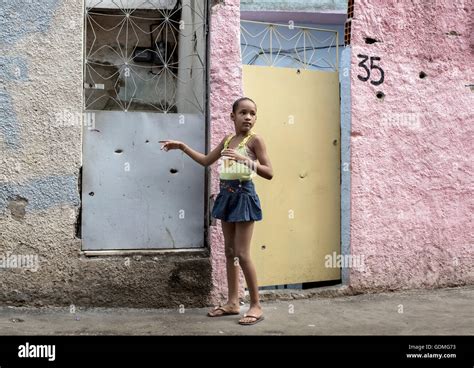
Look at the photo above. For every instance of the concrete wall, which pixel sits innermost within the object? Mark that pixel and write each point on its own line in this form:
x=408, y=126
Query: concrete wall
x=40, y=141
x=299, y=12
x=411, y=151
x=411, y=186
x=295, y=5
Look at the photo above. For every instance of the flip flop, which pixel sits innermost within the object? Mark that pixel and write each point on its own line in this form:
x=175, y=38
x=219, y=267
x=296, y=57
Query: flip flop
x=256, y=320
x=224, y=312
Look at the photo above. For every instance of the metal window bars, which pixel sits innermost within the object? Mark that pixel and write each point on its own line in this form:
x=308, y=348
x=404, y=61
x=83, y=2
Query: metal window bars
x=287, y=45
x=145, y=55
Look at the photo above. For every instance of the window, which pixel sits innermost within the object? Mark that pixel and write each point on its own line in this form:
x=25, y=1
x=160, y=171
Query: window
x=145, y=55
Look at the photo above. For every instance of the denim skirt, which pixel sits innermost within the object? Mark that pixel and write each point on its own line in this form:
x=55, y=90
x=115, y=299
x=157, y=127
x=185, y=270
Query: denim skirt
x=237, y=201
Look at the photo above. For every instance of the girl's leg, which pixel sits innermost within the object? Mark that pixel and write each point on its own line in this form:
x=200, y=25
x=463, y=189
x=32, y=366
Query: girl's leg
x=232, y=304
x=228, y=228
x=243, y=236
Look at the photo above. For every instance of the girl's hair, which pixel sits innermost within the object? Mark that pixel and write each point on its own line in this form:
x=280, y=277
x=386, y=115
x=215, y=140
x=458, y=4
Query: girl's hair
x=235, y=106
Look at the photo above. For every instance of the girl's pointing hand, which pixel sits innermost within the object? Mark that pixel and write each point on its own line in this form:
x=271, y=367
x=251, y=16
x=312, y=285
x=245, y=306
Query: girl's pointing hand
x=170, y=145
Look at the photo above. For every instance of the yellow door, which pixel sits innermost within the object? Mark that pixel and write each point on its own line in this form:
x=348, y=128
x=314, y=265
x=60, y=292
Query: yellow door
x=298, y=117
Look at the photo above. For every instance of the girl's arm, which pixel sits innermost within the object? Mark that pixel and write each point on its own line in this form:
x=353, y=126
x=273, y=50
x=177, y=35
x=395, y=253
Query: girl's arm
x=204, y=160
x=263, y=166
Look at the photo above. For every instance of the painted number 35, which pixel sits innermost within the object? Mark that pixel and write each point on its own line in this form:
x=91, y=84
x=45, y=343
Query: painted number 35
x=373, y=66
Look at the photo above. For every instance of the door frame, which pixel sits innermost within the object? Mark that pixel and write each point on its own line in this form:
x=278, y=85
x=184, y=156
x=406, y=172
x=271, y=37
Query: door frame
x=207, y=144
x=343, y=64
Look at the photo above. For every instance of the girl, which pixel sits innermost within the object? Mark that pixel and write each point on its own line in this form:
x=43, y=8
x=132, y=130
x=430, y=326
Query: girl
x=237, y=205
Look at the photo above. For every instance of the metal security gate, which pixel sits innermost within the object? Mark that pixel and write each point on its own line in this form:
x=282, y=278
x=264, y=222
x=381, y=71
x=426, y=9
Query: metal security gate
x=144, y=81
x=291, y=73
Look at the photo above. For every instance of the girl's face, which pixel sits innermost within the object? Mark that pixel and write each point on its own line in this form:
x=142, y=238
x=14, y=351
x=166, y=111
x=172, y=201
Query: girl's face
x=245, y=116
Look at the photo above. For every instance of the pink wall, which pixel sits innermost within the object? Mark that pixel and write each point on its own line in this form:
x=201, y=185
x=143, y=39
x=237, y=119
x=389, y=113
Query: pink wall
x=411, y=173
x=411, y=153
x=226, y=86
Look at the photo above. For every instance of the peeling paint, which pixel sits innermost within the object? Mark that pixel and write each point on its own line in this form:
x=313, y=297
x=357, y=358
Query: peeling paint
x=9, y=128
x=11, y=69
x=17, y=207
x=42, y=193
x=14, y=68
x=20, y=18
